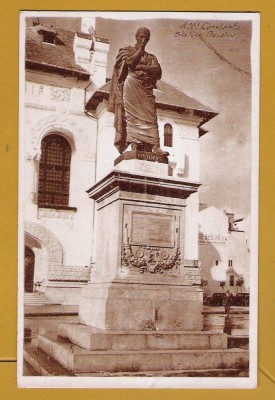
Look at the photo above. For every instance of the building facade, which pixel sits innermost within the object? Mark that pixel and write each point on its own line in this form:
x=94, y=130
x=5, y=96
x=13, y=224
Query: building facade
x=224, y=255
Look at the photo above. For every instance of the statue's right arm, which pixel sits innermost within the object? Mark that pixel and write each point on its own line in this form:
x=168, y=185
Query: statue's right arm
x=134, y=59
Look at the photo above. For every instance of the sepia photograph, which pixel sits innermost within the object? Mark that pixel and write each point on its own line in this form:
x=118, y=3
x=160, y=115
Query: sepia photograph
x=138, y=199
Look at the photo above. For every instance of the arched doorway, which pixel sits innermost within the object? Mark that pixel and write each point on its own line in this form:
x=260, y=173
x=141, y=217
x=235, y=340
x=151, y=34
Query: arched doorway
x=29, y=270
x=37, y=236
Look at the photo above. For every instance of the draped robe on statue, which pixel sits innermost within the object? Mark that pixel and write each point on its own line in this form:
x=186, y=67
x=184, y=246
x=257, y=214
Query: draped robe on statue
x=132, y=100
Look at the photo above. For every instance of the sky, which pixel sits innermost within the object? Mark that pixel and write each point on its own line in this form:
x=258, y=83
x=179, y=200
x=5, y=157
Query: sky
x=216, y=71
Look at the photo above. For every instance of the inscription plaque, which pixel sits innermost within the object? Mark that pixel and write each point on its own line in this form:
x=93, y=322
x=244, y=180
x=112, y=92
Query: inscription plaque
x=142, y=155
x=152, y=229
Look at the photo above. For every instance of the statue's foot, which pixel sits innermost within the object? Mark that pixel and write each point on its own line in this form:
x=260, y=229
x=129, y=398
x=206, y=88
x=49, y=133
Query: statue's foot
x=159, y=151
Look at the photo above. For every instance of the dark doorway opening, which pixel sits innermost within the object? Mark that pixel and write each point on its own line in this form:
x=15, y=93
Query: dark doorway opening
x=29, y=269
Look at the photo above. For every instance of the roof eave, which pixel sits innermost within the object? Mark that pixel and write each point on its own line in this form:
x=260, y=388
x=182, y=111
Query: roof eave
x=57, y=69
x=205, y=114
x=99, y=95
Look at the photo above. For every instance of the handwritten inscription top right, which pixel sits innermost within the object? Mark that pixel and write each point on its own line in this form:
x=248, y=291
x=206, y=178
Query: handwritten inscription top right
x=207, y=29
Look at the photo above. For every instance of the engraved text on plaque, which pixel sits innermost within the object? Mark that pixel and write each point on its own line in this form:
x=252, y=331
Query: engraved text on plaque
x=152, y=229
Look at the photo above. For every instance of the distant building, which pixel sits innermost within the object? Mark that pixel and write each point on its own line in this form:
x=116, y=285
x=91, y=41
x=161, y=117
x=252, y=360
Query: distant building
x=224, y=256
x=68, y=146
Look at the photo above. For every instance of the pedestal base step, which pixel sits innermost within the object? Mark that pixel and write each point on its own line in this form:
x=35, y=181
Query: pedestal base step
x=42, y=363
x=81, y=361
x=95, y=339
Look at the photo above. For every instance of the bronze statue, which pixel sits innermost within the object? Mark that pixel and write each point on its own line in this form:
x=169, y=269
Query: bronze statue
x=131, y=98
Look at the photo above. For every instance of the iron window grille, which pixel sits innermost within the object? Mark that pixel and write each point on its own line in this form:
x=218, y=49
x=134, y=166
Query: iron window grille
x=54, y=172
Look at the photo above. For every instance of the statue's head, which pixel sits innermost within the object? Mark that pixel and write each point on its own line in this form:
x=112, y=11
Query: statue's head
x=143, y=35
x=143, y=30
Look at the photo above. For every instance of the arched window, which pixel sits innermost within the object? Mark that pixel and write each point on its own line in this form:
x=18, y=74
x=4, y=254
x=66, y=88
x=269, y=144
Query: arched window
x=54, y=171
x=168, y=135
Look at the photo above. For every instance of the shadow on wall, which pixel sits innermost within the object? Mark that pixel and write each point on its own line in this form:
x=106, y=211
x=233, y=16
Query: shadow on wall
x=213, y=271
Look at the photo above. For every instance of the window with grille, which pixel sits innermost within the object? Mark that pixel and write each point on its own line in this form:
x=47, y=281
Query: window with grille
x=168, y=135
x=54, y=171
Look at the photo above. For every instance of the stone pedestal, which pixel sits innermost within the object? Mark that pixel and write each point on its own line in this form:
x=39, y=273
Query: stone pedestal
x=141, y=312
x=141, y=280
x=141, y=306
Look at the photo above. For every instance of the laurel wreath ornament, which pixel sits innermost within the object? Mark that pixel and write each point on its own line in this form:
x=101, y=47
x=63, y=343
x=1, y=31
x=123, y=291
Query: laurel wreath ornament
x=154, y=260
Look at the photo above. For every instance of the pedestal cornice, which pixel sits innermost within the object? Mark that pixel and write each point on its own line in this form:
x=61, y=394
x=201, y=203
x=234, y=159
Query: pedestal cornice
x=125, y=181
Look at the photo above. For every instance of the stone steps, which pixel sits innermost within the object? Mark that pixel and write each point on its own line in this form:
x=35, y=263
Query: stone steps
x=37, y=299
x=42, y=363
x=94, y=339
x=50, y=310
x=81, y=361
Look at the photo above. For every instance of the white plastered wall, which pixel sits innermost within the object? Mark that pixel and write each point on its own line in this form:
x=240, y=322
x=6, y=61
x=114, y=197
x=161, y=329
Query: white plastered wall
x=185, y=160
x=57, y=106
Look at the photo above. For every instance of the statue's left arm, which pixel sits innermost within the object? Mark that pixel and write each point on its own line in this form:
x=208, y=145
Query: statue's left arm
x=153, y=68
